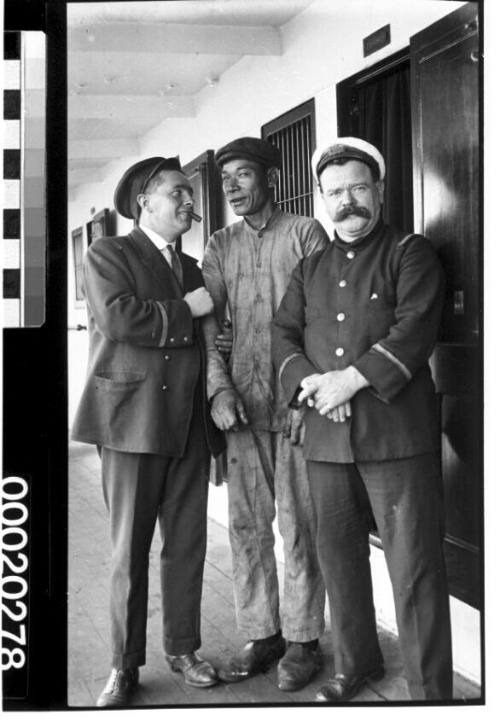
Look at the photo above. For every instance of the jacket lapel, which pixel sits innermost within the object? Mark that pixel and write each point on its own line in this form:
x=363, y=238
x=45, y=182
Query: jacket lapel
x=153, y=259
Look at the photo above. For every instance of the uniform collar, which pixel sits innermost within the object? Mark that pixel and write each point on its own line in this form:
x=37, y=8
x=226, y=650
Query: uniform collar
x=360, y=242
x=155, y=238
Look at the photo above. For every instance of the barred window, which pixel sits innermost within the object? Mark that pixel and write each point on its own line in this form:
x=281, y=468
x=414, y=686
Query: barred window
x=294, y=134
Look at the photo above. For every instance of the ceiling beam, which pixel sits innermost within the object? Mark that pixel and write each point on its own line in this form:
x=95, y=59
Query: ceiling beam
x=175, y=38
x=102, y=150
x=124, y=107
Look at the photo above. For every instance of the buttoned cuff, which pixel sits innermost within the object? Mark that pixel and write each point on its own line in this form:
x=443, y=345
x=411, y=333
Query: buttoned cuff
x=177, y=324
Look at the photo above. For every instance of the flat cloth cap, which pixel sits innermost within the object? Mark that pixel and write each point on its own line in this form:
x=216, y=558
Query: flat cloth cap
x=261, y=151
x=350, y=149
x=134, y=181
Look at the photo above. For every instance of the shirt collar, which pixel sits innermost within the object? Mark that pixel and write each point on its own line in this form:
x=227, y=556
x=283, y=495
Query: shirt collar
x=155, y=238
x=276, y=212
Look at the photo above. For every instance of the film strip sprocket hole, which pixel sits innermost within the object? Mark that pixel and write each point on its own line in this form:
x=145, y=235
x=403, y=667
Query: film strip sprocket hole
x=15, y=552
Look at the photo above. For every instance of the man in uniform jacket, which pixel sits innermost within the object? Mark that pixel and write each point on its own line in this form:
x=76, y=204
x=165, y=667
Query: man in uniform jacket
x=247, y=267
x=144, y=406
x=352, y=339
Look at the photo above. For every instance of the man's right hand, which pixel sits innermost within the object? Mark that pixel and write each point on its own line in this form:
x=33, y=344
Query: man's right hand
x=224, y=341
x=228, y=411
x=200, y=302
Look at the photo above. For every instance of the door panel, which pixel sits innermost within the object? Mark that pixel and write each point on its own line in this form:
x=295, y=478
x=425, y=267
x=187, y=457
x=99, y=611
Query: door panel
x=445, y=111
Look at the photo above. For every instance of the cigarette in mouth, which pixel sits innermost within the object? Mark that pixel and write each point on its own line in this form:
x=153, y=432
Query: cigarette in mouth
x=195, y=216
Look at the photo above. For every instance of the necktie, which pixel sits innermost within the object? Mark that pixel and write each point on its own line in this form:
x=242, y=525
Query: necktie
x=175, y=263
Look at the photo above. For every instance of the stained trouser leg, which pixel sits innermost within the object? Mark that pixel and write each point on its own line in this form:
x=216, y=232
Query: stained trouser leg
x=251, y=515
x=303, y=598
x=405, y=495
x=343, y=551
x=183, y=526
x=132, y=485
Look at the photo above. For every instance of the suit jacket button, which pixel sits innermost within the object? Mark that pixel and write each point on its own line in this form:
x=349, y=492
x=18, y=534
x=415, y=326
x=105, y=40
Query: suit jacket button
x=342, y=283
x=167, y=357
x=339, y=352
x=186, y=339
x=172, y=340
x=164, y=388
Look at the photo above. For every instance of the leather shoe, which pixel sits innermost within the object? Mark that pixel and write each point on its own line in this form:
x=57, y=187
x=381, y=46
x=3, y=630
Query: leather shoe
x=256, y=657
x=342, y=688
x=197, y=672
x=299, y=664
x=119, y=688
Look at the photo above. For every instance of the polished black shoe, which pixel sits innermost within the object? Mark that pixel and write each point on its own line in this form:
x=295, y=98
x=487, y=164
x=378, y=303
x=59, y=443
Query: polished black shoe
x=299, y=664
x=119, y=688
x=256, y=657
x=342, y=688
x=196, y=671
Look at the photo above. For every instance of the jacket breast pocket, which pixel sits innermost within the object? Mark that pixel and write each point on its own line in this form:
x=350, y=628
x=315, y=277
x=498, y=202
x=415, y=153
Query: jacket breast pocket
x=379, y=315
x=118, y=380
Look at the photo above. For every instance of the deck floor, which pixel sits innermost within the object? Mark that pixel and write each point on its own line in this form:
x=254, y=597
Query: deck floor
x=88, y=629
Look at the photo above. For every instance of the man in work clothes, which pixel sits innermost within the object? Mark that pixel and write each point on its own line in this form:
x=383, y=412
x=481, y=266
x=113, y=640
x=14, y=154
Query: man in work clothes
x=247, y=266
x=352, y=337
x=144, y=405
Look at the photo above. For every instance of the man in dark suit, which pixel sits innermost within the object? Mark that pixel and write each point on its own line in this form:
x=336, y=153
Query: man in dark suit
x=144, y=406
x=352, y=338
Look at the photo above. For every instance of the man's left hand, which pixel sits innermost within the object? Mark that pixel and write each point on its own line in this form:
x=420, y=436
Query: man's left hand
x=341, y=413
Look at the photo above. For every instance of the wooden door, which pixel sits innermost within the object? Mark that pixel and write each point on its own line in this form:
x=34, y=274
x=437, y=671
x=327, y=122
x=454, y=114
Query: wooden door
x=446, y=133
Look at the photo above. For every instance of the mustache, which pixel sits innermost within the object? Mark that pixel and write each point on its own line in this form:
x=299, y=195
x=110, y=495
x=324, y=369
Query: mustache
x=352, y=210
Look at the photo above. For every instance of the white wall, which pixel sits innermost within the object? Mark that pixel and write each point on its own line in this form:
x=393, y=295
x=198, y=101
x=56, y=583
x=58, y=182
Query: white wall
x=321, y=47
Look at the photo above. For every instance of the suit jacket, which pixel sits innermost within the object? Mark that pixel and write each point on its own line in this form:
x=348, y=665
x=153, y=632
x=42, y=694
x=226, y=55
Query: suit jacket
x=375, y=304
x=146, y=357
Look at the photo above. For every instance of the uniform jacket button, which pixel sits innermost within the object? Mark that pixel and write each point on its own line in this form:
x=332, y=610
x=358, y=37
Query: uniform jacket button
x=339, y=352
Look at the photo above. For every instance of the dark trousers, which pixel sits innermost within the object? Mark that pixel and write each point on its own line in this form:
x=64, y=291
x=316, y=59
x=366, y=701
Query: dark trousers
x=140, y=488
x=405, y=497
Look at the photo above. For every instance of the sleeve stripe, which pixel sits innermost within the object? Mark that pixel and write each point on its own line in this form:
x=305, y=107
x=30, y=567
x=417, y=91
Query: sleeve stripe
x=407, y=237
x=164, y=331
x=404, y=370
x=286, y=362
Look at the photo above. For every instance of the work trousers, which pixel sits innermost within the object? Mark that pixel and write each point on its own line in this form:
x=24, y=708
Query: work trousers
x=265, y=471
x=406, y=500
x=140, y=488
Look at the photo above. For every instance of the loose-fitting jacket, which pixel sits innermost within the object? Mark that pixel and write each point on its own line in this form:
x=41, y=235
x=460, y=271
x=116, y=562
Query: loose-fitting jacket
x=247, y=271
x=376, y=304
x=145, y=351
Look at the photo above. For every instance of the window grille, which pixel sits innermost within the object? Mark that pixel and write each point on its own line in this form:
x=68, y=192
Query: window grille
x=294, y=134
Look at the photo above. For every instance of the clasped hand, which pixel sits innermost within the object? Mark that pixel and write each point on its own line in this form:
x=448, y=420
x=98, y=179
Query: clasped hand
x=330, y=393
